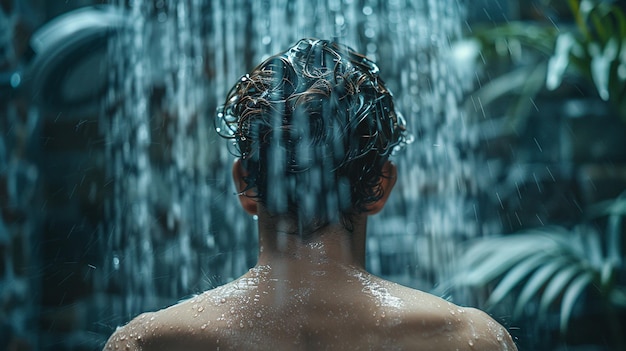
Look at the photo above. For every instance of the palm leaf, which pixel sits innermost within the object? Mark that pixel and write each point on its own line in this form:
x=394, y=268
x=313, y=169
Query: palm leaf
x=571, y=296
x=536, y=281
x=516, y=275
x=578, y=15
x=489, y=259
x=556, y=286
x=606, y=277
x=592, y=250
x=615, y=206
x=614, y=244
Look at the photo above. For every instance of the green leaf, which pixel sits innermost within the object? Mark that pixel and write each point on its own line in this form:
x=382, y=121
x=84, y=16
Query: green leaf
x=601, y=59
x=489, y=258
x=615, y=206
x=531, y=87
x=556, y=285
x=516, y=275
x=580, y=16
x=585, y=8
x=621, y=20
x=601, y=30
x=606, y=277
x=559, y=61
x=494, y=266
x=500, y=86
x=614, y=242
x=592, y=246
x=536, y=281
x=571, y=296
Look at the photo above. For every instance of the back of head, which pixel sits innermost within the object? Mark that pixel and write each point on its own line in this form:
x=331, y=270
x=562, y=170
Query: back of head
x=313, y=126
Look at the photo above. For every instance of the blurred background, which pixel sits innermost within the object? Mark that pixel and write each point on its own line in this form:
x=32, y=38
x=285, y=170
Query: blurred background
x=115, y=190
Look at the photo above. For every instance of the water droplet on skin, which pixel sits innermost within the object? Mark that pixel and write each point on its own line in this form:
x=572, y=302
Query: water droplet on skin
x=241, y=324
x=203, y=326
x=258, y=314
x=500, y=335
x=223, y=300
x=201, y=308
x=471, y=343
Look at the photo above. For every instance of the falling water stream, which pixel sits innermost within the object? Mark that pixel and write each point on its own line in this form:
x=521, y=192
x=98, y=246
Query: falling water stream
x=174, y=225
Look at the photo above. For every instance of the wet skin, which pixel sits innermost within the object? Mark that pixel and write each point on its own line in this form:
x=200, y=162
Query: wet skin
x=333, y=308
x=312, y=295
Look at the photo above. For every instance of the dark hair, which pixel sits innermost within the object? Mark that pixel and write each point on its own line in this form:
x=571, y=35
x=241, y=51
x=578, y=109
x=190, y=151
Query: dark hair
x=313, y=126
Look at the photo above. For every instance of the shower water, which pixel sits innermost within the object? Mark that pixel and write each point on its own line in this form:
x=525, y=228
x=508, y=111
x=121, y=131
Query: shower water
x=174, y=226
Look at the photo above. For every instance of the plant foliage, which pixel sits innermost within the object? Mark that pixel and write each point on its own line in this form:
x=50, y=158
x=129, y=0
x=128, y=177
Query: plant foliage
x=552, y=266
x=593, y=49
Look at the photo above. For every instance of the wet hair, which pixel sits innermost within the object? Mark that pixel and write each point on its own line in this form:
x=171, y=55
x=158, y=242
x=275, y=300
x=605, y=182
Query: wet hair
x=313, y=126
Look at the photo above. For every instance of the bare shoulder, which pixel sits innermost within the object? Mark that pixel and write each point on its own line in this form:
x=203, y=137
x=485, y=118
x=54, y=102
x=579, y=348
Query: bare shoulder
x=435, y=324
x=127, y=337
x=173, y=328
x=486, y=333
x=203, y=322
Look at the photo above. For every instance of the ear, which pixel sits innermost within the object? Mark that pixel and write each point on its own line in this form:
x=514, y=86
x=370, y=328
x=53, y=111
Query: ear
x=387, y=181
x=248, y=203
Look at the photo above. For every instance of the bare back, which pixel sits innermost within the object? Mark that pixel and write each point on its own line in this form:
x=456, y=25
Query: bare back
x=344, y=309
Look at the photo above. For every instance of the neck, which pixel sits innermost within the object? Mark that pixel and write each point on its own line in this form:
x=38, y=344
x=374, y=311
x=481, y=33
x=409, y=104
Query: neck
x=330, y=245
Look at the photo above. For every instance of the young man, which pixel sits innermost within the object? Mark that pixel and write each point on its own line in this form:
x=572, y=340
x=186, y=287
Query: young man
x=313, y=128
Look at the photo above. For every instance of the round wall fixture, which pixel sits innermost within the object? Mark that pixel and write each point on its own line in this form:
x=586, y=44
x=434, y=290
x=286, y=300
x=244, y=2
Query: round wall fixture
x=68, y=69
